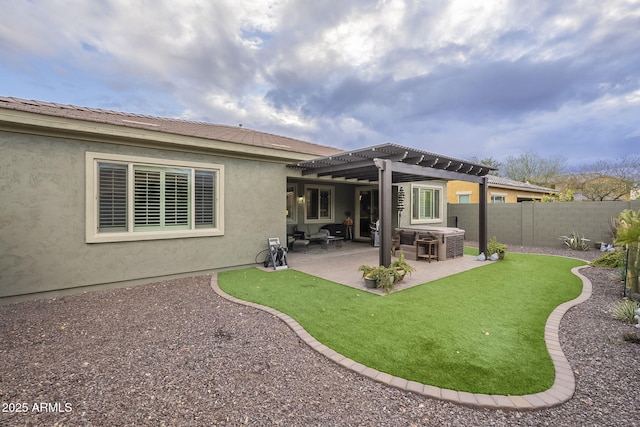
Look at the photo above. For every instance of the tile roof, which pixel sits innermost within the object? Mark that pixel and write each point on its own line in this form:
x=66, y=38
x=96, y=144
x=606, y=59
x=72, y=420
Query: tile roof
x=234, y=134
x=506, y=182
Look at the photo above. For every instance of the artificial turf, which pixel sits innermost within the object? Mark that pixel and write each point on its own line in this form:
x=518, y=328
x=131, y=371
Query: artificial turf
x=480, y=331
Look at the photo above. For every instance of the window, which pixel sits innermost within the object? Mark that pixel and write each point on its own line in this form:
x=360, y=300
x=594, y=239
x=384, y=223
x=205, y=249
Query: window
x=498, y=198
x=131, y=198
x=319, y=204
x=464, y=198
x=425, y=204
x=292, y=208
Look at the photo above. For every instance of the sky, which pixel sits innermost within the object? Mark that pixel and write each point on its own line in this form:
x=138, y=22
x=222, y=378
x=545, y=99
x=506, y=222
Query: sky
x=459, y=78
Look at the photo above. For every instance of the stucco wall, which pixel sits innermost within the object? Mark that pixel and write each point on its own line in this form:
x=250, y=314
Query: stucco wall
x=42, y=219
x=511, y=195
x=541, y=224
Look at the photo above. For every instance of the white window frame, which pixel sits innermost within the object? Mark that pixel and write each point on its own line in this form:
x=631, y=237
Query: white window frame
x=502, y=196
x=92, y=233
x=332, y=204
x=464, y=193
x=437, y=219
x=292, y=203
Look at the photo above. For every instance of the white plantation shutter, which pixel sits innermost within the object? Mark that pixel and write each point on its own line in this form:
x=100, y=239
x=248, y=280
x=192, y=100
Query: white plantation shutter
x=112, y=197
x=427, y=197
x=154, y=198
x=176, y=198
x=147, y=198
x=425, y=203
x=205, y=184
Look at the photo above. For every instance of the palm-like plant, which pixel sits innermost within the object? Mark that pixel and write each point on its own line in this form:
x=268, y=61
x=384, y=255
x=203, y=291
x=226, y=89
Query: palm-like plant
x=628, y=235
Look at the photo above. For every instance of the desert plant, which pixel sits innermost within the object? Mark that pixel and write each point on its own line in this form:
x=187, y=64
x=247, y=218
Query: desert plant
x=628, y=235
x=609, y=260
x=625, y=310
x=576, y=242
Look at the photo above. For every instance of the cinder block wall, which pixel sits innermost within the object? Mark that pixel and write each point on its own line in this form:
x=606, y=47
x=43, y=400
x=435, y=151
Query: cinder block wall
x=541, y=224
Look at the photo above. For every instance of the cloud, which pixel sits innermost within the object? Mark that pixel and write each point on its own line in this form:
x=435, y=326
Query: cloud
x=453, y=75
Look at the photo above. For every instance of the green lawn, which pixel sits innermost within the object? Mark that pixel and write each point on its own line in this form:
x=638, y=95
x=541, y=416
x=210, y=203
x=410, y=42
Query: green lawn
x=480, y=331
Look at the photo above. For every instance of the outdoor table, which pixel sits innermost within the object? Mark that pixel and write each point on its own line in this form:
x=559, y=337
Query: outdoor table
x=336, y=240
x=430, y=247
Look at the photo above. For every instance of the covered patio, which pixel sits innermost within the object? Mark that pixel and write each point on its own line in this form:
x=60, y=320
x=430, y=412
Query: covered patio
x=390, y=164
x=340, y=265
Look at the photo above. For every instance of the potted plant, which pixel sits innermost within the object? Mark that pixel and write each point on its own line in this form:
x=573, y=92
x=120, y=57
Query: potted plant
x=381, y=277
x=369, y=275
x=402, y=267
x=494, y=247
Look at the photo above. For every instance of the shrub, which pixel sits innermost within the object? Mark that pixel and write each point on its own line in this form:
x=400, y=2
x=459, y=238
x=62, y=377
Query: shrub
x=625, y=310
x=610, y=260
x=576, y=242
x=495, y=247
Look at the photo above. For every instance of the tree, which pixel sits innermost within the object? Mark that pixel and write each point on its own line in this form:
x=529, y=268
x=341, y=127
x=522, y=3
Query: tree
x=561, y=196
x=607, y=180
x=534, y=169
x=487, y=161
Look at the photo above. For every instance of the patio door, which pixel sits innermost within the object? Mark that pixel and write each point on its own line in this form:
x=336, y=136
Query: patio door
x=366, y=212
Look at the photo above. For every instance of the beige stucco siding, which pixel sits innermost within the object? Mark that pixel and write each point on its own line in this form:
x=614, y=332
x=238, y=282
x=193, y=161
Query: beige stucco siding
x=511, y=195
x=42, y=218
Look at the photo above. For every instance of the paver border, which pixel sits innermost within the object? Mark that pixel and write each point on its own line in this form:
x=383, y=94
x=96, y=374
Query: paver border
x=561, y=391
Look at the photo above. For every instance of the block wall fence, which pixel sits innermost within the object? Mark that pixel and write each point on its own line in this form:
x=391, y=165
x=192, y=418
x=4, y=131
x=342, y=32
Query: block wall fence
x=540, y=224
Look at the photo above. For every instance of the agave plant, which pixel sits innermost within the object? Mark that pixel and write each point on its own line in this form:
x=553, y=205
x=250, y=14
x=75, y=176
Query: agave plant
x=576, y=242
x=625, y=310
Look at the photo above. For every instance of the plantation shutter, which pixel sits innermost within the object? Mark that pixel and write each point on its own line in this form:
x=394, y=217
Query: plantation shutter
x=415, y=203
x=435, y=200
x=176, y=209
x=205, y=183
x=112, y=197
x=147, y=198
x=426, y=203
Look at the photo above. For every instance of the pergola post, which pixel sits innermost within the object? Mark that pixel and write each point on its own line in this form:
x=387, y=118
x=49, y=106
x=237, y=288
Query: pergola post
x=385, y=175
x=482, y=216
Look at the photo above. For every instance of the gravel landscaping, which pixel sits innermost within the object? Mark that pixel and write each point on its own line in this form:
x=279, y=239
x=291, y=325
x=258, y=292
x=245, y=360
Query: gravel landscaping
x=174, y=353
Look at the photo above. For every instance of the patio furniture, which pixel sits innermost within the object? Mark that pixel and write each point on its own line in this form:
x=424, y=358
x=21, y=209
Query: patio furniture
x=336, y=230
x=450, y=240
x=298, y=244
x=427, y=249
x=333, y=241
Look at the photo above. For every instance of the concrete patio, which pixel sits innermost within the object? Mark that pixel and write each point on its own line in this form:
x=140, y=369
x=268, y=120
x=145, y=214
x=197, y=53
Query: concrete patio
x=340, y=264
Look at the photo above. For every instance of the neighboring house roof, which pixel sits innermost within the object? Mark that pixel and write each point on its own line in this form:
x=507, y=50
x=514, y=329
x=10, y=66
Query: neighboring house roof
x=498, y=181
x=233, y=134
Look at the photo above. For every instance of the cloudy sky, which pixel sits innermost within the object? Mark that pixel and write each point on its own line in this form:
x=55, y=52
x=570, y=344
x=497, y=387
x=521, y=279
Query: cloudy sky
x=460, y=78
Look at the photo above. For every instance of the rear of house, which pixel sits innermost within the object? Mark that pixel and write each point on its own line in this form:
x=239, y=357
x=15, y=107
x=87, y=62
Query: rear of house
x=93, y=197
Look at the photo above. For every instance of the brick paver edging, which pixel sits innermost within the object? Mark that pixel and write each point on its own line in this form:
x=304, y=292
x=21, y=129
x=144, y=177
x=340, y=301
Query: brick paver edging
x=561, y=391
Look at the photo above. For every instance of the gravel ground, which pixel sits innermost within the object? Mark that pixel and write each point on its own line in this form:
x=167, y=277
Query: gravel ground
x=174, y=353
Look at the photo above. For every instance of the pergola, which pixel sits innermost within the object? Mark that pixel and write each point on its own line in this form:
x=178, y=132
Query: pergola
x=390, y=164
